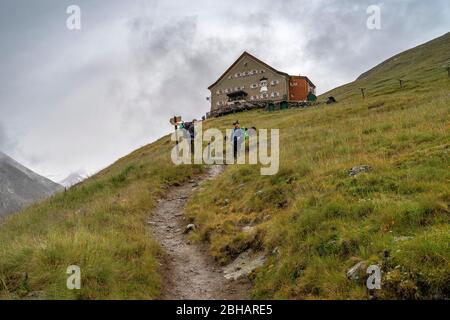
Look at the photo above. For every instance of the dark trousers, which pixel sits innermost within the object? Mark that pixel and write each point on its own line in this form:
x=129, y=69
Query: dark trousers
x=192, y=145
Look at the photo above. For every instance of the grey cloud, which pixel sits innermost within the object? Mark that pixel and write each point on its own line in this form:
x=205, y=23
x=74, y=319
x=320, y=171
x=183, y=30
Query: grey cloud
x=82, y=99
x=3, y=139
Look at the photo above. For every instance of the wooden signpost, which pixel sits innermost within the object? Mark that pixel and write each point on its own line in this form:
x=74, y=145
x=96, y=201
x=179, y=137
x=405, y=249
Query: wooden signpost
x=362, y=92
x=175, y=121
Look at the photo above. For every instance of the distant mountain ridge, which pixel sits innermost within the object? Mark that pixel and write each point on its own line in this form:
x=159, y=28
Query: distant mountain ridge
x=72, y=179
x=19, y=186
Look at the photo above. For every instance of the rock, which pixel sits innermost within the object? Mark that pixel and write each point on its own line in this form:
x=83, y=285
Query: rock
x=354, y=273
x=402, y=238
x=226, y=201
x=331, y=100
x=151, y=223
x=359, y=169
x=243, y=265
x=35, y=295
x=190, y=227
x=276, y=251
x=248, y=229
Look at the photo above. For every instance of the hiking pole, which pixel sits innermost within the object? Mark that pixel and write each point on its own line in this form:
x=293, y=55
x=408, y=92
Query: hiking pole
x=176, y=136
x=209, y=150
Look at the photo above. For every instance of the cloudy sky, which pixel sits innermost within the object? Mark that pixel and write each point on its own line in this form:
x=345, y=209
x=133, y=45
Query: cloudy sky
x=76, y=100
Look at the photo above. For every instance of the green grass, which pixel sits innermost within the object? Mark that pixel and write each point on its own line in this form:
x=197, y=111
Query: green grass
x=321, y=220
x=311, y=219
x=99, y=225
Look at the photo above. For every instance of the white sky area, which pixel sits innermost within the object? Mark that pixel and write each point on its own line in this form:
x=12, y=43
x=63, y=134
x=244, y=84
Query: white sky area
x=76, y=101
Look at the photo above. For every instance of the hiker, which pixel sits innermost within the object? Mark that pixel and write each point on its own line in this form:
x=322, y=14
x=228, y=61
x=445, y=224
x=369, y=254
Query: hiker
x=237, y=137
x=248, y=133
x=190, y=130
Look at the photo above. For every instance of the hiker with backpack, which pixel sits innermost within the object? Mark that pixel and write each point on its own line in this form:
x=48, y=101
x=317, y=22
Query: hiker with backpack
x=189, y=128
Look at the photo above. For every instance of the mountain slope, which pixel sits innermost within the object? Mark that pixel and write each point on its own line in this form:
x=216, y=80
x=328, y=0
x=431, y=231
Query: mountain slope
x=421, y=68
x=20, y=186
x=312, y=220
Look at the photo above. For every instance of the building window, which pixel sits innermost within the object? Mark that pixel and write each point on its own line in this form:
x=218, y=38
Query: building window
x=274, y=94
x=253, y=86
x=263, y=84
x=274, y=82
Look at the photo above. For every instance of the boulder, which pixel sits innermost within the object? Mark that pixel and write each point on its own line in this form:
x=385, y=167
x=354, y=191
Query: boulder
x=355, y=273
x=244, y=265
x=190, y=227
x=359, y=169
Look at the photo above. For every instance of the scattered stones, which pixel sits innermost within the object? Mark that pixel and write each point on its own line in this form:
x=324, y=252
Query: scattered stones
x=243, y=265
x=190, y=227
x=355, y=272
x=151, y=223
x=359, y=169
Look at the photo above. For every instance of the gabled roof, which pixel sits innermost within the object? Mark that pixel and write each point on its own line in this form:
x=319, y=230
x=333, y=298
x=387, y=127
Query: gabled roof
x=238, y=59
x=305, y=78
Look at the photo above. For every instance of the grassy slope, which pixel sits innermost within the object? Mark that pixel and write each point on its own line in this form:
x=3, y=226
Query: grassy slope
x=320, y=220
x=99, y=225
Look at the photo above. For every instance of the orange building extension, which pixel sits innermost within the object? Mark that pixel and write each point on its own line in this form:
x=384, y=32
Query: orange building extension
x=299, y=88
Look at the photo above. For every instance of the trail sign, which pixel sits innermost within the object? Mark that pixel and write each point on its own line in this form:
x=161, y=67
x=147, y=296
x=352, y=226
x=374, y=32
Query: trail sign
x=175, y=120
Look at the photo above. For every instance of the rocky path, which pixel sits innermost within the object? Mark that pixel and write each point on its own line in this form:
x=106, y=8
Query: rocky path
x=188, y=271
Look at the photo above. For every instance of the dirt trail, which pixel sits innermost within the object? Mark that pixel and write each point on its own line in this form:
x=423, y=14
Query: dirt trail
x=188, y=271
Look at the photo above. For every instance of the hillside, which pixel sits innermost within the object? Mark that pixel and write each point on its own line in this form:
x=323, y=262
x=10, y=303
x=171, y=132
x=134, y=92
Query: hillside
x=312, y=220
x=20, y=186
x=421, y=69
